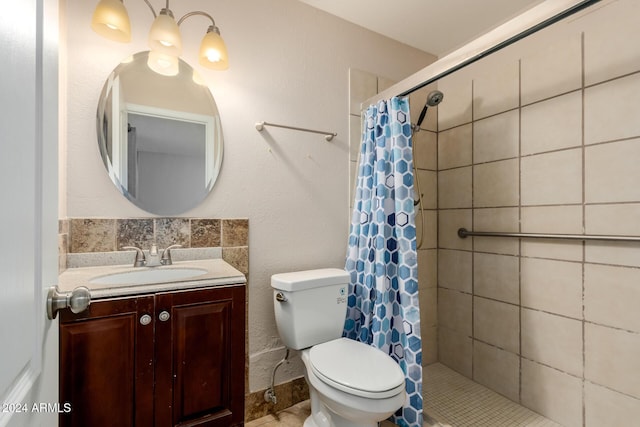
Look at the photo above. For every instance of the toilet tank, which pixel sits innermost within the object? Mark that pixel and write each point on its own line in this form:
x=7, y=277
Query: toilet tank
x=310, y=306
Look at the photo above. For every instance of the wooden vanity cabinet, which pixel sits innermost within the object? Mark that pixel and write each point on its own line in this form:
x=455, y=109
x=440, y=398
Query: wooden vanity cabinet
x=185, y=367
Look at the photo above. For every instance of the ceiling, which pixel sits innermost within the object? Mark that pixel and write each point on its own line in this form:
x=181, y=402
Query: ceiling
x=434, y=26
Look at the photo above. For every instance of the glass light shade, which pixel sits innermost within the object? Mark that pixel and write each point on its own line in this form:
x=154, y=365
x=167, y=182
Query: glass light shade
x=213, y=52
x=161, y=63
x=164, y=35
x=111, y=20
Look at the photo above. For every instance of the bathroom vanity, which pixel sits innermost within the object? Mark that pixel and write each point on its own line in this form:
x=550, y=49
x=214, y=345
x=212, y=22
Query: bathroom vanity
x=155, y=354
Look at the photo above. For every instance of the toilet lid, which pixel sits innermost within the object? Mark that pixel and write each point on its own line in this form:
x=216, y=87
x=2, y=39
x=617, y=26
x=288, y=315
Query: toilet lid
x=356, y=368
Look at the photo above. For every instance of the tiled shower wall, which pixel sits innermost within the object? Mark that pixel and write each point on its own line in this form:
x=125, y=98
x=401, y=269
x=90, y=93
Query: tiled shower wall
x=363, y=85
x=544, y=137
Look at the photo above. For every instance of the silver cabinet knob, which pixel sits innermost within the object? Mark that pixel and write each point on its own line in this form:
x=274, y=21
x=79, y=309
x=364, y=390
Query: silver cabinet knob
x=164, y=316
x=77, y=300
x=145, y=319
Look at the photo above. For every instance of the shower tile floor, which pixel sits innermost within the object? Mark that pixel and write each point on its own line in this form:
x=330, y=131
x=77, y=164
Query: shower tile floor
x=455, y=400
x=450, y=398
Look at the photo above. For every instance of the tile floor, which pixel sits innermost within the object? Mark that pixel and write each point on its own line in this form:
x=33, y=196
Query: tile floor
x=450, y=398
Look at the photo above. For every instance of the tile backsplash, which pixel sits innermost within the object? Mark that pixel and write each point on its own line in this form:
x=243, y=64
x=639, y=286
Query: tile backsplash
x=88, y=235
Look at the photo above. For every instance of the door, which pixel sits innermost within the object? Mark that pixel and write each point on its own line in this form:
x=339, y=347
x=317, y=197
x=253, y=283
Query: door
x=200, y=357
x=28, y=217
x=106, y=358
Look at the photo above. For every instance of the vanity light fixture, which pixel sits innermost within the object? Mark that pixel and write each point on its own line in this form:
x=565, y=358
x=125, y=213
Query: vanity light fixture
x=111, y=20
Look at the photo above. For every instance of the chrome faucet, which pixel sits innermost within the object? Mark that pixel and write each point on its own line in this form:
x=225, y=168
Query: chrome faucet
x=166, y=255
x=154, y=257
x=140, y=260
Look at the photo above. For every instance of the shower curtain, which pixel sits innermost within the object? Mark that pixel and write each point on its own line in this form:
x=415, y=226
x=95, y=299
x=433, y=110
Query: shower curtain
x=383, y=305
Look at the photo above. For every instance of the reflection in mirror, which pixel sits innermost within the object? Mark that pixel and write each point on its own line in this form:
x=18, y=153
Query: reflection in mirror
x=159, y=136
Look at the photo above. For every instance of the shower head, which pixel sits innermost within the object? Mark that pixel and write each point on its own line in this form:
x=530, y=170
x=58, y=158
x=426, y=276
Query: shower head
x=434, y=98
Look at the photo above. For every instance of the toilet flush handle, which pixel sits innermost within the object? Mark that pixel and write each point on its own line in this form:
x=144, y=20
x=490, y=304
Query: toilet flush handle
x=280, y=297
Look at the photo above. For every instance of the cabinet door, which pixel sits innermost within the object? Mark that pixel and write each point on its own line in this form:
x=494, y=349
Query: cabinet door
x=200, y=357
x=106, y=364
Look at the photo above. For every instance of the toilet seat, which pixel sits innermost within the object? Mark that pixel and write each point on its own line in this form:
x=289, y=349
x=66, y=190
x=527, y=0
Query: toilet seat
x=356, y=368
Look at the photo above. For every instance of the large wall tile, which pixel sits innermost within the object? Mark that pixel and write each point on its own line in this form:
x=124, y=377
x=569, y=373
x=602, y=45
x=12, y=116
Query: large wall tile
x=427, y=268
x=614, y=25
x=616, y=253
x=611, y=358
x=496, y=137
x=92, y=235
x=455, y=350
x=496, y=219
x=612, y=296
x=612, y=172
x=428, y=188
x=604, y=407
x=552, y=178
x=496, y=184
x=428, y=238
x=455, y=270
x=428, y=307
x=553, y=340
x=554, y=394
x=496, y=86
x=454, y=147
x=429, y=345
x=553, y=286
x=454, y=310
x=552, y=70
x=454, y=188
x=426, y=149
x=553, y=124
x=613, y=219
x=456, y=108
x=496, y=277
x=449, y=221
x=496, y=323
x=611, y=110
x=497, y=369
x=552, y=219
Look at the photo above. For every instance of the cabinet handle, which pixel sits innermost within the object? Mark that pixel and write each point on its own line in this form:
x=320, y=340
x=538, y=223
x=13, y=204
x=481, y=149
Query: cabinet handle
x=145, y=319
x=77, y=300
x=164, y=316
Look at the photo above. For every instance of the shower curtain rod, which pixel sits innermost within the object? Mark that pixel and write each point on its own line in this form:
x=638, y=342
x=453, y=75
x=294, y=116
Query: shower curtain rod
x=464, y=233
x=535, y=19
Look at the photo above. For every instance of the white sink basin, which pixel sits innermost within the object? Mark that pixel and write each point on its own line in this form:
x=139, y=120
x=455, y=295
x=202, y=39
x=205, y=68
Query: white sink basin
x=147, y=276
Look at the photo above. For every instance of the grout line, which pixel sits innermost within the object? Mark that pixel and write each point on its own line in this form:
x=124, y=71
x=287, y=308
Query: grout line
x=520, y=388
x=584, y=227
x=473, y=252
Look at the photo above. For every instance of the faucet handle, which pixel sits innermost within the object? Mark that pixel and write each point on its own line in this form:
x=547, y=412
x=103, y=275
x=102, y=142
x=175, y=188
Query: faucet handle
x=140, y=260
x=166, y=255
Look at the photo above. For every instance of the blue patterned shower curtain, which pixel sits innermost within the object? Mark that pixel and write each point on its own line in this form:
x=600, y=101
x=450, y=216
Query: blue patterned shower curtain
x=383, y=305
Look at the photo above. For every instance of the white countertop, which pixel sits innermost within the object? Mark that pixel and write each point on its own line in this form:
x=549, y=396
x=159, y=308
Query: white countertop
x=218, y=273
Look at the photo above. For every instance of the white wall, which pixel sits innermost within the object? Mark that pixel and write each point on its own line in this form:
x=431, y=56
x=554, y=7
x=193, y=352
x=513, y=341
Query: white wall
x=288, y=64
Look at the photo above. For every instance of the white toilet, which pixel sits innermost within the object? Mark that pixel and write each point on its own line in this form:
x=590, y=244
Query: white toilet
x=351, y=384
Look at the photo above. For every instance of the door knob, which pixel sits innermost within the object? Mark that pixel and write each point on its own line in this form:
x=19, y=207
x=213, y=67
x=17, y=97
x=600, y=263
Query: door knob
x=164, y=316
x=77, y=300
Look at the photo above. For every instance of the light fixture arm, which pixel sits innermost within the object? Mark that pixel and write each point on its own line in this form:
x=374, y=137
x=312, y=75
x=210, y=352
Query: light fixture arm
x=197, y=12
x=152, y=10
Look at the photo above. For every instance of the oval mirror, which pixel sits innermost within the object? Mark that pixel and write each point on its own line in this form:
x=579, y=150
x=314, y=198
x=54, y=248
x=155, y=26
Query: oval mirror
x=159, y=135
